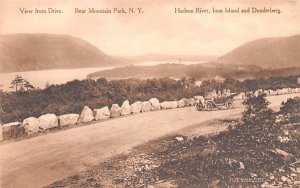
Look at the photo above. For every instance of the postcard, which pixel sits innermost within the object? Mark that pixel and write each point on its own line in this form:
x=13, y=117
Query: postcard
x=147, y=93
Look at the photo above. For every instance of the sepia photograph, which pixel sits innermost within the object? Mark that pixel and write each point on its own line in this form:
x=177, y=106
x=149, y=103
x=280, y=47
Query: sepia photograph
x=150, y=94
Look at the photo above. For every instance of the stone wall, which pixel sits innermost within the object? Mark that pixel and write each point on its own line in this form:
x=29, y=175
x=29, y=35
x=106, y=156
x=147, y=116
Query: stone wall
x=47, y=122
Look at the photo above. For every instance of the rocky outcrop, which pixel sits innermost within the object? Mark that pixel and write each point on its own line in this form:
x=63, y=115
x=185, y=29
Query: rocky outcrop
x=102, y=113
x=155, y=105
x=115, y=111
x=146, y=106
x=31, y=125
x=86, y=115
x=125, y=108
x=136, y=107
x=165, y=105
x=48, y=121
x=174, y=104
x=68, y=119
x=12, y=130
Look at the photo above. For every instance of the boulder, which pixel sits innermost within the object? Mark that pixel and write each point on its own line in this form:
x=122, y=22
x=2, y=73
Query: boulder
x=146, y=106
x=154, y=104
x=266, y=92
x=285, y=91
x=48, y=121
x=12, y=130
x=271, y=92
x=243, y=95
x=125, y=108
x=285, y=132
x=165, y=105
x=183, y=103
x=115, y=111
x=174, y=104
x=192, y=102
x=283, y=178
x=86, y=115
x=1, y=135
x=238, y=97
x=179, y=138
x=31, y=125
x=68, y=119
x=136, y=107
x=102, y=113
x=198, y=97
x=256, y=93
x=293, y=90
x=286, y=156
x=278, y=92
x=283, y=139
x=242, y=166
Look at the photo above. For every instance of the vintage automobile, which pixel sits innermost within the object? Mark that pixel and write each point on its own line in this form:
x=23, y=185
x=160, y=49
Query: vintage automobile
x=211, y=103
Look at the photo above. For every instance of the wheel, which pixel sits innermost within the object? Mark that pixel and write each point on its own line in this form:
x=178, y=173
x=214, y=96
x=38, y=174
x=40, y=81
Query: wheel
x=199, y=106
x=229, y=104
x=209, y=106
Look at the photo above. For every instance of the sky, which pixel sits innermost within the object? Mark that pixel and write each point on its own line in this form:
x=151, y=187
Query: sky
x=159, y=29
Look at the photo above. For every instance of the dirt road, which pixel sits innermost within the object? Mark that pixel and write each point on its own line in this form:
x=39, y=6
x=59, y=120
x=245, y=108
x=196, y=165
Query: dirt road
x=44, y=159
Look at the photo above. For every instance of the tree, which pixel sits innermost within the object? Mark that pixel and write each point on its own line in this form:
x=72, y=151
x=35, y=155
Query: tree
x=259, y=122
x=28, y=86
x=292, y=105
x=17, y=83
x=291, y=108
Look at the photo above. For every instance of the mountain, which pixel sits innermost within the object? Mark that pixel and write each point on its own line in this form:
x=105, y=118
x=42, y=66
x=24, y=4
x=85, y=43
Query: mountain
x=267, y=53
x=170, y=58
x=27, y=52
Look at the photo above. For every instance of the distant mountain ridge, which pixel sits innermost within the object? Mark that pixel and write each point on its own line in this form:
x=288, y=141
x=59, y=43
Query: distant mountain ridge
x=197, y=71
x=170, y=58
x=27, y=52
x=280, y=52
